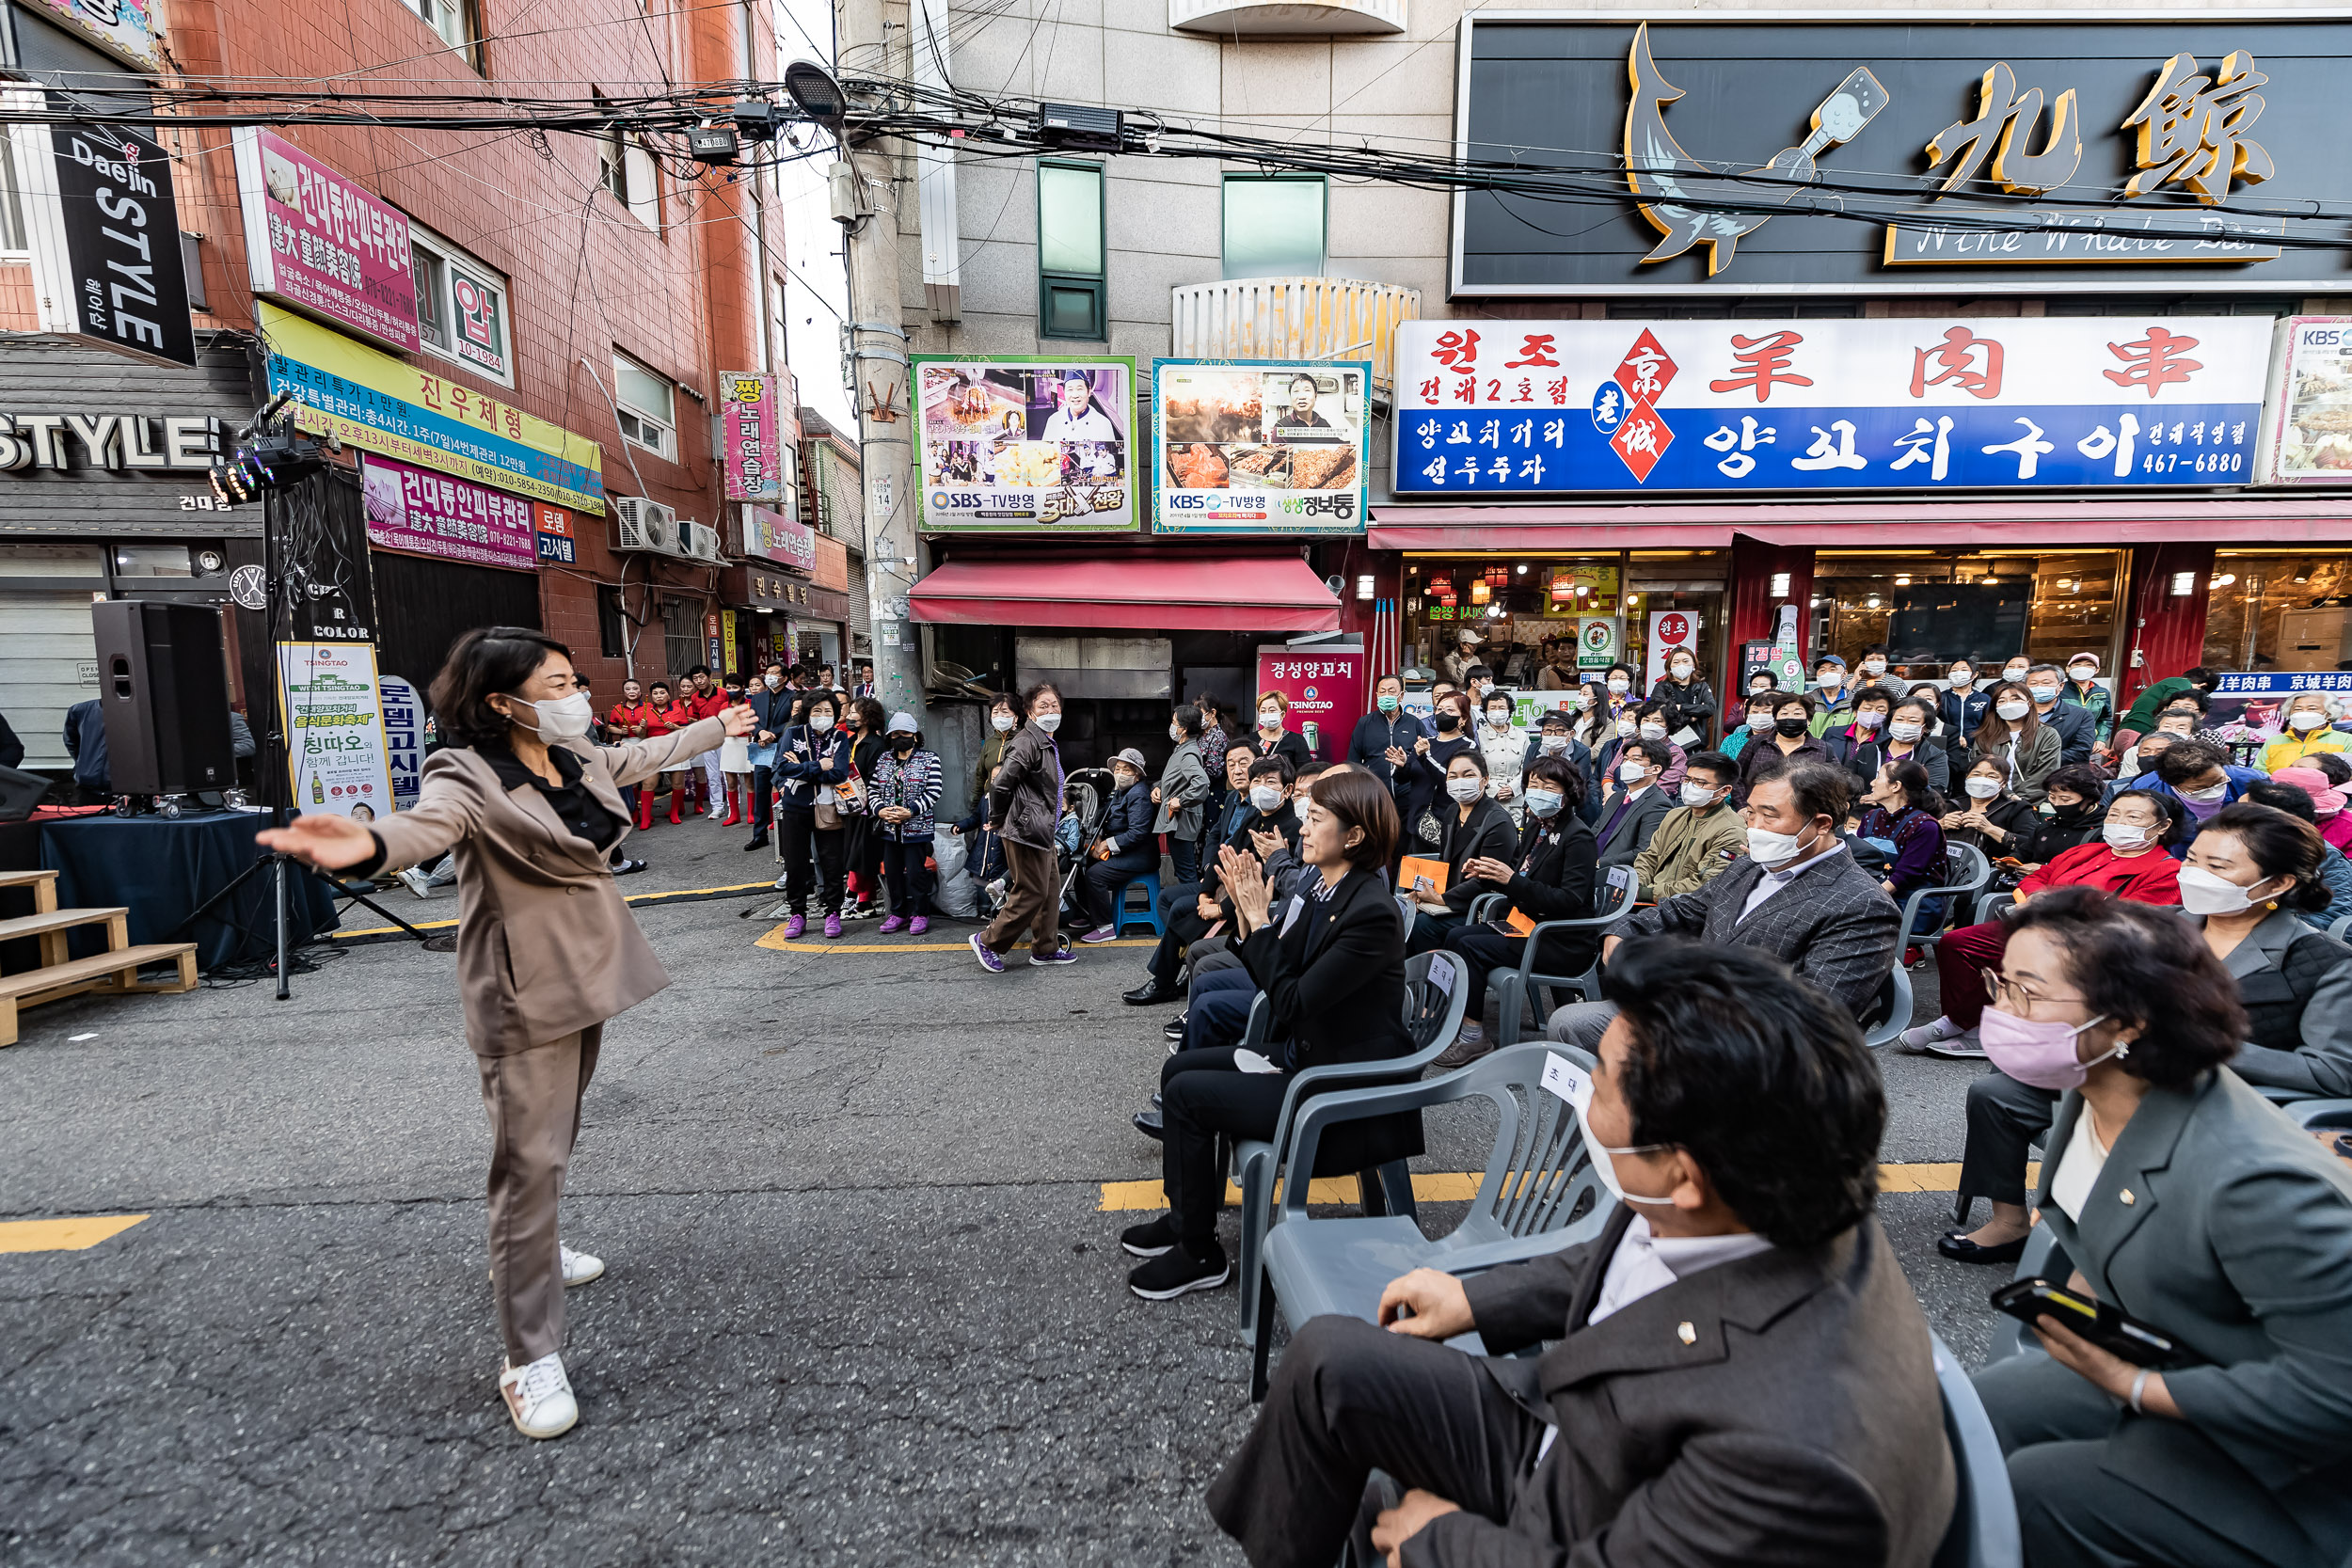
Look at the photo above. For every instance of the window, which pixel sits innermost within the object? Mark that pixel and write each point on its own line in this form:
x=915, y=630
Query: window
x=451, y=18
x=12, y=203
x=1071, y=295
x=461, y=307
x=624, y=167
x=649, y=407
x=1273, y=226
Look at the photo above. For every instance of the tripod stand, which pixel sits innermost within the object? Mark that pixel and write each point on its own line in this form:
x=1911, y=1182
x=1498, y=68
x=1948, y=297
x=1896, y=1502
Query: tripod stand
x=278, y=865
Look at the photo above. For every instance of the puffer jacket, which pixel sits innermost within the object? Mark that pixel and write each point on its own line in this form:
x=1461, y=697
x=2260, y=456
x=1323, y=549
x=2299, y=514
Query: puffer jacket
x=1026, y=799
x=808, y=765
x=915, y=784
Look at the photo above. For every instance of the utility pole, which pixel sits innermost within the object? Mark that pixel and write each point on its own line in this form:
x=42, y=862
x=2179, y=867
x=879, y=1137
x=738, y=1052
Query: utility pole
x=865, y=196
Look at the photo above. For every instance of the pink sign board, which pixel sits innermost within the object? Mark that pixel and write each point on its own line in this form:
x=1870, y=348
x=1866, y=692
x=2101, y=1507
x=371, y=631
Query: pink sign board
x=757, y=446
x=778, y=538
x=1326, y=689
x=428, y=514
x=315, y=241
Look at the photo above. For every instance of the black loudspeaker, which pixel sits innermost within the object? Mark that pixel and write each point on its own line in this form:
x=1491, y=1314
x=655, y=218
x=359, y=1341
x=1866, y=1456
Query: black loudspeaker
x=163, y=685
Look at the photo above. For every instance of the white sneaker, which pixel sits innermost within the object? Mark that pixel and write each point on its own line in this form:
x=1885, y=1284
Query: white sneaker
x=415, y=881
x=579, y=1268
x=539, y=1397
x=1926, y=1037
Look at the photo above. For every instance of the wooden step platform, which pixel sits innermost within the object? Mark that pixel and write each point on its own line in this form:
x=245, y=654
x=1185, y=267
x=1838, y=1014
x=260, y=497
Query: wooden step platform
x=52, y=926
x=60, y=975
x=43, y=884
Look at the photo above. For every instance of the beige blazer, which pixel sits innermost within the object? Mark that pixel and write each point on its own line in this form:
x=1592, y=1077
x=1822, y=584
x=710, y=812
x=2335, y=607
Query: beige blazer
x=545, y=944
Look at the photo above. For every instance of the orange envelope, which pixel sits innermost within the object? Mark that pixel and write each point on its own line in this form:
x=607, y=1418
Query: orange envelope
x=1423, y=877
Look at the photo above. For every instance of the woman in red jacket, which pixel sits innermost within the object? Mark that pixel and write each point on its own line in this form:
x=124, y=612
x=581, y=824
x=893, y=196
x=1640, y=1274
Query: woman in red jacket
x=2127, y=859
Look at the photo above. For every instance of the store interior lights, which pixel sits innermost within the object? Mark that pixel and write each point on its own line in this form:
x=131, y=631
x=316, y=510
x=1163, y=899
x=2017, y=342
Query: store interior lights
x=2225, y=579
x=1480, y=592
x=1522, y=568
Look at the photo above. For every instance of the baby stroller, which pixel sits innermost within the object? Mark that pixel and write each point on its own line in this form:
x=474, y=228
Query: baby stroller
x=1086, y=796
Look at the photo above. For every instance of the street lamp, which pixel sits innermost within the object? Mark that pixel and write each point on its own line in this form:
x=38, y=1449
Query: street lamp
x=817, y=94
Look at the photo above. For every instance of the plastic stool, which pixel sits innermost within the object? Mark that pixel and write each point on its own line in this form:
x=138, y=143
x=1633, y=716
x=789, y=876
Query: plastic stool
x=1121, y=913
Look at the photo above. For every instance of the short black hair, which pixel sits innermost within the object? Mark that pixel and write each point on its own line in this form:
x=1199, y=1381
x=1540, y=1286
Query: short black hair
x=2139, y=963
x=2332, y=763
x=2169, y=810
x=659, y=684
x=1562, y=776
x=1651, y=707
x=1187, y=719
x=1818, y=789
x=1869, y=648
x=2281, y=843
x=2203, y=676
x=486, y=660
x=1918, y=792
x=1716, y=762
x=1244, y=745
x=2078, y=778
x=697, y=670
x=1661, y=755
x=2195, y=697
x=1760, y=1077
x=1875, y=695
x=1804, y=699
x=2292, y=799
x=1005, y=699
x=1277, y=765
x=1772, y=694
x=1360, y=800
x=1929, y=717
x=2187, y=759
x=1475, y=671
x=1471, y=755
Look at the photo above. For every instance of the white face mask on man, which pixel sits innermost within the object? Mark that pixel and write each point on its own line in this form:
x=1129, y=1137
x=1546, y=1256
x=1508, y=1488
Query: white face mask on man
x=1049, y=722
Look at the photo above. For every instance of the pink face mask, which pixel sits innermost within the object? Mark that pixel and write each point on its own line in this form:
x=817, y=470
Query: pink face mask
x=2039, y=1054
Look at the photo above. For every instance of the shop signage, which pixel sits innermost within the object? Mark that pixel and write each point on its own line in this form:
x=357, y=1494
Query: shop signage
x=126, y=29
x=105, y=233
x=373, y=400
x=1994, y=153
x=1261, y=446
x=760, y=435
x=2307, y=419
x=115, y=442
x=778, y=538
x=1595, y=642
x=767, y=589
x=315, y=241
x=557, y=540
x=330, y=703
x=1326, y=689
x=1024, y=445
x=424, y=513
x=1752, y=405
x=1671, y=632
x=403, y=737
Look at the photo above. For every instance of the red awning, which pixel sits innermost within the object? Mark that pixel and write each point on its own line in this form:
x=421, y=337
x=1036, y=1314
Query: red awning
x=2157, y=519
x=1191, y=592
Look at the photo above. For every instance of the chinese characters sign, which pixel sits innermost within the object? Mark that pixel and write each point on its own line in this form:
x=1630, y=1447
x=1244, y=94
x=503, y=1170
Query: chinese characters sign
x=1259, y=445
x=759, y=454
x=2307, y=429
x=1727, y=405
x=1024, y=445
x=321, y=245
x=375, y=401
x=428, y=514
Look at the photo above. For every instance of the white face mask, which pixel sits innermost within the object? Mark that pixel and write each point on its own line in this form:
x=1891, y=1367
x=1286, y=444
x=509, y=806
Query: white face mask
x=1653, y=732
x=1049, y=722
x=1905, y=729
x=1697, y=796
x=2012, y=711
x=564, y=718
x=775, y=683
x=1466, y=790
x=1002, y=720
x=2083, y=673
x=1583, y=701
x=1829, y=680
x=1982, y=789
x=2303, y=719
x=1265, y=796
x=820, y=723
x=2122, y=835
x=1759, y=722
x=1619, y=685
x=1554, y=745
x=1631, y=773
x=1269, y=718
x=1499, y=717
x=1578, y=1092
x=1962, y=678
x=1545, y=802
x=1624, y=726
x=1770, y=850
x=2215, y=792
x=1868, y=722
x=1681, y=670
x=1176, y=734
x=1874, y=667
x=2017, y=674
x=2208, y=892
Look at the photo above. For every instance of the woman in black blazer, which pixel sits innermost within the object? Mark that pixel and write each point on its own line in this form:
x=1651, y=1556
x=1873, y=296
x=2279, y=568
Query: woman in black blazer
x=1472, y=827
x=1551, y=877
x=1330, y=962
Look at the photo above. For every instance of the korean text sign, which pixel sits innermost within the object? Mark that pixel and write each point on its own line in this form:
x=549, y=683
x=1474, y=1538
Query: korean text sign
x=403, y=716
x=1033, y=445
x=424, y=513
x=321, y=243
x=329, y=701
x=1261, y=446
x=1750, y=405
x=755, y=450
x=1326, y=689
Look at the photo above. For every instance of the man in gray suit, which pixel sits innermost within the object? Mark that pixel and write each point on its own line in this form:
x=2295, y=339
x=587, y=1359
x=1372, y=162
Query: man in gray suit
x=1741, y=1373
x=1798, y=896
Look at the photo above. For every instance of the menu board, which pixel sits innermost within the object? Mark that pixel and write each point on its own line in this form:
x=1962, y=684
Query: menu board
x=1261, y=446
x=1026, y=445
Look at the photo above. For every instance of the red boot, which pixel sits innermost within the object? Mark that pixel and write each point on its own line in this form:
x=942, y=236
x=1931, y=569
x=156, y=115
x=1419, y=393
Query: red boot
x=644, y=808
x=734, y=816
x=701, y=792
x=674, y=803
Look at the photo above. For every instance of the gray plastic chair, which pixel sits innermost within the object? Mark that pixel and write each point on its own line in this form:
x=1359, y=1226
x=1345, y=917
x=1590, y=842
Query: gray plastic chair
x=1895, y=996
x=1966, y=874
x=2341, y=927
x=1983, y=1532
x=1614, y=900
x=2041, y=1260
x=1539, y=1194
x=1435, y=1000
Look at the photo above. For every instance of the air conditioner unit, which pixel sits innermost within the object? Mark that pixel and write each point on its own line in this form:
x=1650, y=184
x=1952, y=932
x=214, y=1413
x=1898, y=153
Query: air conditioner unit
x=645, y=525
x=702, y=543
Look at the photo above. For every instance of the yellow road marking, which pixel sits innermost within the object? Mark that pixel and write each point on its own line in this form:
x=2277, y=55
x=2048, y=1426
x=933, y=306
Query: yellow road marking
x=775, y=942
x=71, y=1235
x=632, y=900
x=1461, y=1186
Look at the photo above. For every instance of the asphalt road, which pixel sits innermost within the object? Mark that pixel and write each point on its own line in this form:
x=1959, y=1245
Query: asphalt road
x=863, y=1304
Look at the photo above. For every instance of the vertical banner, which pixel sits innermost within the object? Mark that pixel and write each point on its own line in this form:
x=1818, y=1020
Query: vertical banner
x=1671, y=632
x=754, y=436
x=1327, y=691
x=330, y=705
x=403, y=712
x=104, y=227
x=727, y=640
x=552, y=527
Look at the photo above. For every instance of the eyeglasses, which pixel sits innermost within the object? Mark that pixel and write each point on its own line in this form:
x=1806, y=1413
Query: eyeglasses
x=2000, y=989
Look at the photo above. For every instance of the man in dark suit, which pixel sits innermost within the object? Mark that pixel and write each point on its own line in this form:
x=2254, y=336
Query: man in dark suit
x=1631, y=813
x=1741, y=1374
x=772, y=715
x=2077, y=728
x=1798, y=896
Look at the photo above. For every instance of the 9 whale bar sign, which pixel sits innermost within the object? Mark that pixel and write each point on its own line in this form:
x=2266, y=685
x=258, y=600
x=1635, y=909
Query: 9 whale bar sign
x=1537, y=407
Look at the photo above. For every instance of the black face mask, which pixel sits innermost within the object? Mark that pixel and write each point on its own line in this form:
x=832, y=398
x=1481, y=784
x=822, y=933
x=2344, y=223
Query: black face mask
x=2068, y=813
x=1447, y=721
x=904, y=747
x=1793, y=727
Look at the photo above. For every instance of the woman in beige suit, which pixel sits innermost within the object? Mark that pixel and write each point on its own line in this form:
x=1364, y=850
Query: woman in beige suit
x=545, y=950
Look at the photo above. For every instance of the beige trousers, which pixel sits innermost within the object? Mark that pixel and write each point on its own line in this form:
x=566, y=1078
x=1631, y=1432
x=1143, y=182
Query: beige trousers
x=532, y=1097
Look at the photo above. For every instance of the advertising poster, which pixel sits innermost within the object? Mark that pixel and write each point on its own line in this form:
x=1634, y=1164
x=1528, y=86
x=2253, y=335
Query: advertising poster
x=756, y=456
x=402, y=710
x=320, y=243
x=1739, y=407
x=125, y=27
x=370, y=400
x=1581, y=591
x=1026, y=445
x=428, y=514
x=2307, y=419
x=330, y=704
x=1595, y=642
x=1326, y=690
x=776, y=537
x=103, y=225
x=1671, y=632
x=2247, y=710
x=1261, y=446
